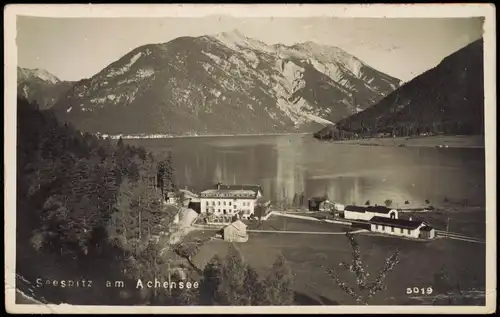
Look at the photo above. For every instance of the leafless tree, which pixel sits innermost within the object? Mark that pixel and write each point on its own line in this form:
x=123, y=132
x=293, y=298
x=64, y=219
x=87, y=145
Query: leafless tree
x=365, y=289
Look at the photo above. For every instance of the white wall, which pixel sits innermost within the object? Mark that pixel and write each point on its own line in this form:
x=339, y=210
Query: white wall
x=432, y=234
x=357, y=215
x=397, y=231
x=339, y=207
x=368, y=215
x=231, y=205
x=395, y=211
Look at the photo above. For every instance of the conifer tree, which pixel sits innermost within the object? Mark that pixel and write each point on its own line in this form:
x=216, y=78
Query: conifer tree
x=255, y=290
x=278, y=285
x=212, y=279
x=232, y=288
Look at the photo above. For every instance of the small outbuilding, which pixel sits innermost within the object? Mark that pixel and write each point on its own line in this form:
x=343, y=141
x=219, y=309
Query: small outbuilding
x=172, y=198
x=427, y=232
x=235, y=232
x=315, y=203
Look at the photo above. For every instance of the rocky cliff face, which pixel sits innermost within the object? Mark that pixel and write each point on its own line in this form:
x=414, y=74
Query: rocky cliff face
x=226, y=83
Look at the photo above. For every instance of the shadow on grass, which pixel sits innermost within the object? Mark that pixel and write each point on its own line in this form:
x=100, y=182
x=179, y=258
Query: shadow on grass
x=303, y=299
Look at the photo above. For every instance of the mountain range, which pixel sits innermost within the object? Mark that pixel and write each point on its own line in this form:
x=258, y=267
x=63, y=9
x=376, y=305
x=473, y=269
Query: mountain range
x=448, y=98
x=224, y=83
x=40, y=86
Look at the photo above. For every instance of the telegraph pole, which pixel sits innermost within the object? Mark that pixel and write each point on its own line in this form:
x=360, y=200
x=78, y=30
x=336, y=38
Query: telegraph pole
x=447, y=226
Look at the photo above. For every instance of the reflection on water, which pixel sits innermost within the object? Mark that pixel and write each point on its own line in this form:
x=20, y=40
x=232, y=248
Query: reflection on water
x=289, y=165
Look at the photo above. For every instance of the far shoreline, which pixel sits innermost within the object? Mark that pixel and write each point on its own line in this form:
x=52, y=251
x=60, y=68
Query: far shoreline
x=160, y=136
x=439, y=141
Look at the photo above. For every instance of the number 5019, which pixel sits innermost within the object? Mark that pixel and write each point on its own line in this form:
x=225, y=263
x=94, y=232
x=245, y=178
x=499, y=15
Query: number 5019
x=419, y=290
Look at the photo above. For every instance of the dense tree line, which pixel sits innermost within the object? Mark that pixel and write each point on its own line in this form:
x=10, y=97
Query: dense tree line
x=82, y=199
x=89, y=207
x=395, y=129
x=447, y=99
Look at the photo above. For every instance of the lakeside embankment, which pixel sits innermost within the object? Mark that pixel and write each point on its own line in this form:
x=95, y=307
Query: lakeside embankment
x=455, y=141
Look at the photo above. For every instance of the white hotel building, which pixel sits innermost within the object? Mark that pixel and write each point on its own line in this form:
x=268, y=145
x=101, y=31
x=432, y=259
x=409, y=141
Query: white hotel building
x=230, y=200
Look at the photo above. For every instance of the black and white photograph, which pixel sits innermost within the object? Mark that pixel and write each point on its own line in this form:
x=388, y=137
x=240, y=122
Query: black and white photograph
x=250, y=158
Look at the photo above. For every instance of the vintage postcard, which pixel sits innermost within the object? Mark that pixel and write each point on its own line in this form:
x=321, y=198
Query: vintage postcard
x=250, y=158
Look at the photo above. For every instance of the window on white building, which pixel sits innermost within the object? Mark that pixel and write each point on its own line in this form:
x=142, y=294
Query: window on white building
x=218, y=203
x=224, y=203
x=229, y=203
x=392, y=229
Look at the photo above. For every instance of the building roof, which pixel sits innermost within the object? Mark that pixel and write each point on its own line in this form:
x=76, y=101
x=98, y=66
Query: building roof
x=355, y=208
x=374, y=209
x=254, y=188
x=227, y=193
x=317, y=199
x=238, y=225
x=426, y=228
x=400, y=223
x=378, y=209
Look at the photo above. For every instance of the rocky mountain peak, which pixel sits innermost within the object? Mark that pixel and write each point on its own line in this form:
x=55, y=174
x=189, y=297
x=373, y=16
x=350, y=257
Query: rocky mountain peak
x=41, y=74
x=223, y=83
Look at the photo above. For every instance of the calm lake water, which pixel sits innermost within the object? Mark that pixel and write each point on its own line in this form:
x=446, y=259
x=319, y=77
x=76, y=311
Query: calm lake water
x=293, y=164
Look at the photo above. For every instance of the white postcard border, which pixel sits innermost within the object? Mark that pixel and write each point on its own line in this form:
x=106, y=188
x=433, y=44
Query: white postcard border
x=255, y=10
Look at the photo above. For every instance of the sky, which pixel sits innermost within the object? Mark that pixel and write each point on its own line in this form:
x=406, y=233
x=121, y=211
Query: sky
x=77, y=48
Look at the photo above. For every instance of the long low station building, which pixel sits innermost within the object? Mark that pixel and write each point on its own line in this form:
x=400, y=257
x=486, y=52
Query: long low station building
x=402, y=227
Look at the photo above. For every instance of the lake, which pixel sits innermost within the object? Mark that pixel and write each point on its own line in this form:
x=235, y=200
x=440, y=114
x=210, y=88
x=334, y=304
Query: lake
x=292, y=164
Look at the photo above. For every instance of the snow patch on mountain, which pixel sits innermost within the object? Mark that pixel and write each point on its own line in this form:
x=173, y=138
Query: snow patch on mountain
x=98, y=100
x=251, y=58
x=235, y=40
x=42, y=74
x=292, y=75
x=354, y=65
x=144, y=73
x=329, y=69
x=207, y=67
x=213, y=57
x=215, y=92
x=318, y=119
x=45, y=75
x=125, y=68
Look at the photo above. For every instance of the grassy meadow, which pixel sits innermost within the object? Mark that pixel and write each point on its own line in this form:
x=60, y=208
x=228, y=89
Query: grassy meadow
x=309, y=254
